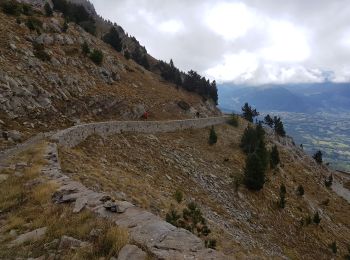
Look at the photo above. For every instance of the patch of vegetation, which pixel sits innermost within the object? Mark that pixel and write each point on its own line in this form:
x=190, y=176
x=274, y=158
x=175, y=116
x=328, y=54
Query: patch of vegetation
x=96, y=56
x=40, y=53
x=282, y=200
x=178, y=196
x=127, y=55
x=275, y=123
x=48, y=10
x=328, y=181
x=213, y=137
x=274, y=157
x=85, y=48
x=169, y=72
x=140, y=58
x=316, y=219
x=192, y=220
x=113, y=39
x=333, y=247
x=300, y=190
x=34, y=24
x=77, y=14
x=318, y=157
x=249, y=113
x=234, y=120
x=253, y=144
x=12, y=7
x=191, y=81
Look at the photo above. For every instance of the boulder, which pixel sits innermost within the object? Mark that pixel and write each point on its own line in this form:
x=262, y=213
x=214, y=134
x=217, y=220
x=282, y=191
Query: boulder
x=3, y=177
x=71, y=243
x=44, y=39
x=14, y=135
x=131, y=252
x=80, y=203
x=30, y=236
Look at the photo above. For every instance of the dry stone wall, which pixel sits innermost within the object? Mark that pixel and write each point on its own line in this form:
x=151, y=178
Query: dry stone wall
x=71, y=137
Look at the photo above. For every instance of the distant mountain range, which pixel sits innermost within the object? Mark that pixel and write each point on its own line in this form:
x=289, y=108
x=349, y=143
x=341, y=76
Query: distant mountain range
x=304, y=98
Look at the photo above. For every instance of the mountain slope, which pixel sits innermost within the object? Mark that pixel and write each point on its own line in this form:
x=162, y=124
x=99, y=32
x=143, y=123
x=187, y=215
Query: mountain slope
x=39, y=95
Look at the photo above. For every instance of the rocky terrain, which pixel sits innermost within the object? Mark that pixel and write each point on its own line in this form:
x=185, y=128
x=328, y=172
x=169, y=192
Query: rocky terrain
x=72, y=187
x=38, y=95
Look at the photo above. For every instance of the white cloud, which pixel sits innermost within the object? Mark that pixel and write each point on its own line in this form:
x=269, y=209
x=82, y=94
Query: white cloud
x=229, y=20
x=287, y=43
x=240, y=66
x=250, y=41
x=171, y=26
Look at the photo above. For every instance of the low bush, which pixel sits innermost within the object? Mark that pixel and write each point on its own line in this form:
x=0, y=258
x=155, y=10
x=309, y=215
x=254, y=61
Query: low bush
x=234, y=120
x=213, y=138
x=316, y=219
x=178, y=196
x=34, y=24
x=300, y=190
x=96, y=56
x=85, y=48
x=333, y=247
x=40, y=53
x=11, y=8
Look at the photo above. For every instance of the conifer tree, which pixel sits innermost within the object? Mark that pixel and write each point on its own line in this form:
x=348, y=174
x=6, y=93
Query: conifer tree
x=318, y=157
x=274, y=157
x=268, y=121
x=254, y=174
x=113, y=39
x=278, y=126
x=48, y=10
x=213, y=138
x=249, y=113
x=282, y=201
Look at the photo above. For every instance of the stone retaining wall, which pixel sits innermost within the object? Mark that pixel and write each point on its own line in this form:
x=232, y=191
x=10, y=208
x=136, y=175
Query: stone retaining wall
x=71, y=137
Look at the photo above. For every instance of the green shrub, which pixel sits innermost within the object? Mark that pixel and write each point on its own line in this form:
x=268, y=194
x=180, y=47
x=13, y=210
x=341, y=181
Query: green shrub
x=333, y=247
x=317, y=218
x=11, y=8
x=329, y=181
x=274, y=157
x=34, y=24
x=213, y=138
x=26, y=9
x=210, y=243
x=65, y=26
x=96, y=56
x=85, y=48
x=300, y=190
x=127, y=55
x=308, y=220
x=282, y=201
x=173, y=217
x=178, y=196
x=48, y=10
x=234, y=120
x=40, y=53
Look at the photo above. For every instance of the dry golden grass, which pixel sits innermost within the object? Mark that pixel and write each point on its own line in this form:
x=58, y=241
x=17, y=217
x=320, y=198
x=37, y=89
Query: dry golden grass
x=142, y=172
x=29, y=207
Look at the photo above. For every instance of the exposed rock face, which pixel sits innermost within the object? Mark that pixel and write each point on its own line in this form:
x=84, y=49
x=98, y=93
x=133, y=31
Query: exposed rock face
x=71, y=243
x=30, y=236
x=131, y=252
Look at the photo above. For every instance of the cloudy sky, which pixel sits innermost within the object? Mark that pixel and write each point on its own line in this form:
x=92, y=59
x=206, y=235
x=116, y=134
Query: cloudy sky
x=245, y=42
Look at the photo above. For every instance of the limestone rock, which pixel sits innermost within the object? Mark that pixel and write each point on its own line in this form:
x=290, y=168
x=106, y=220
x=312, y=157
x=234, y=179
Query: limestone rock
x=14, y=135
x=71, y=243
x=3, y=177
x=80, y=203
x=131, y=252
x=30, y=236
x=44, y=39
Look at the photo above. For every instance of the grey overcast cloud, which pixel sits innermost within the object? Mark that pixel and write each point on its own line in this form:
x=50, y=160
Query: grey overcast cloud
x=244, y=42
